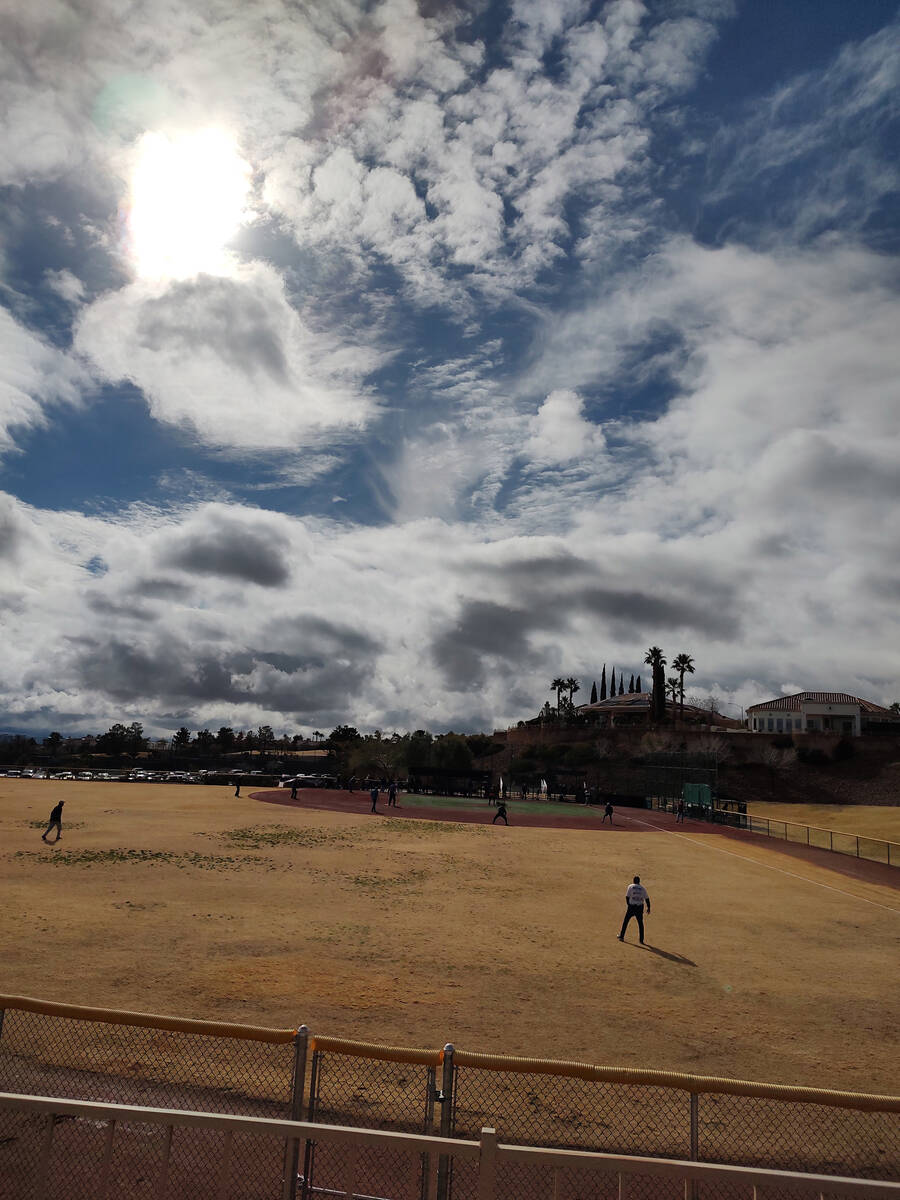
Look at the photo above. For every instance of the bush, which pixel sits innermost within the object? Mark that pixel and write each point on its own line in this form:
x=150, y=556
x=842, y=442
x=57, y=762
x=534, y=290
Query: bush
x=812, y=756
x=782, y=741
x=843, y=750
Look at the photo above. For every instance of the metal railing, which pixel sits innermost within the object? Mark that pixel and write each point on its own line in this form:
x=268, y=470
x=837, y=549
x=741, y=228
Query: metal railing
x=91, y=1151
x=857, y=845
x=135, y=1058
x=873, y=849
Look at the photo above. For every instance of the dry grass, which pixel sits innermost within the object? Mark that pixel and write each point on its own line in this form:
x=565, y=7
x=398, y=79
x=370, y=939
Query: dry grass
x=874, y=821
x=190, y=901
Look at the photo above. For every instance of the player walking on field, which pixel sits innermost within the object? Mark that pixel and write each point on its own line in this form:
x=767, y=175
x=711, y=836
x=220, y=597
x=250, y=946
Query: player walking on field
x=55, y=820
x=636, y=896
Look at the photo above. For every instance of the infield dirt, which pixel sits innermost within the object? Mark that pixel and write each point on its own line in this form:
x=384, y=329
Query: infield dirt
x=192, y=902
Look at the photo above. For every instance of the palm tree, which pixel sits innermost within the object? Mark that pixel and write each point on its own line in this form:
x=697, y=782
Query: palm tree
x=559, y=686
x=573, y=686
x=672, y=692
x=684, y=665
x=657, y=660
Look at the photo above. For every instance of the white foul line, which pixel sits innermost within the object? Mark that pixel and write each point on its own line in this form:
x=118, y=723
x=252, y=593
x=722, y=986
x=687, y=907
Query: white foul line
x=768, y=866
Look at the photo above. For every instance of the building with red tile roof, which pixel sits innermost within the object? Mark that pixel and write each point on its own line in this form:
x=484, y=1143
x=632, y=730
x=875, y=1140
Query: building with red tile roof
x=818, y=712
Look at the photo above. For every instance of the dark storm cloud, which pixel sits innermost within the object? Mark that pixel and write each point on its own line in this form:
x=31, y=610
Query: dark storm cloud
x=220, y=315
x=709, y=609
x=128, y=672
x=247, y=550
x=301, y=633
x=822, y=466
x=161, y=589
x=485, y=629
x=313, y=694
x=175, y=674
x=105, y=607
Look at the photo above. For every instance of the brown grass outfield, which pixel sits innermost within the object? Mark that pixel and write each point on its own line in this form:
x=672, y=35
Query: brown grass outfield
x=420, y=932
x=867, y=820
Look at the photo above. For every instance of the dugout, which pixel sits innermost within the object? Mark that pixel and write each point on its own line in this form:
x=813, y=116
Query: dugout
x=449, y=781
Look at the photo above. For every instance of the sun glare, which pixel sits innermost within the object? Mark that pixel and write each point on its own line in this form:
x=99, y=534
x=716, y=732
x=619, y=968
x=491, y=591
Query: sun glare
x=188, y=199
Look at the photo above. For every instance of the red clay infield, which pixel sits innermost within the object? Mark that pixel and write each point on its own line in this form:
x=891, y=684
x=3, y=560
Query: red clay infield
x=636, y=820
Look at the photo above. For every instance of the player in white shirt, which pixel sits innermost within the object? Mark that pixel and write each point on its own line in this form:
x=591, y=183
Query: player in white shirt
x=635, y=897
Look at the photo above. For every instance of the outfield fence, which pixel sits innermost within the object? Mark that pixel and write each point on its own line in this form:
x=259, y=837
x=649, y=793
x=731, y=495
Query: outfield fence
x=855, y=844
x=107, y=1056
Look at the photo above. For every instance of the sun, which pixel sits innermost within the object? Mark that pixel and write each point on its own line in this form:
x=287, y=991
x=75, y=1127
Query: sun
x=189, y=196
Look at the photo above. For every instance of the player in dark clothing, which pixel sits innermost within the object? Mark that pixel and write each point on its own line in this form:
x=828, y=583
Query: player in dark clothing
x=55, y=820
x=374, y=797
x=392, y=795
x=607, y=812
x=500, y=814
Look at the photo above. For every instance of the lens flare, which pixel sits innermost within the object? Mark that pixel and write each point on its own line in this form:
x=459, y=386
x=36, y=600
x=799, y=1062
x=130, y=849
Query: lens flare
x=188, y=199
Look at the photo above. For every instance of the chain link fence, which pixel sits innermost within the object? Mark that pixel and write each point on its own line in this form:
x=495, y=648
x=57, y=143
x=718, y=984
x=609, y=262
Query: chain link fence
x=149, y=1061
x=349, y=1086
x=151, y=1065
x=51, y=1055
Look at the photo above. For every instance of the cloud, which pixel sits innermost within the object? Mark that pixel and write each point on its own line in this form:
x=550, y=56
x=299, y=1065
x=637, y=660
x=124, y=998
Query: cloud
x=231, y=546
x=65, y=284
x=579, y=367
x=230, y=359
x=559, y=432
x=34, y=376
x=819, y=144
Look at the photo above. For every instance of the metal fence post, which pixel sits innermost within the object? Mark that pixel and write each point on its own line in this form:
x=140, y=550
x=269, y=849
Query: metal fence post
x=691, y=1192
x=446, y=1099
x=487, y=1163
x=298, y=1084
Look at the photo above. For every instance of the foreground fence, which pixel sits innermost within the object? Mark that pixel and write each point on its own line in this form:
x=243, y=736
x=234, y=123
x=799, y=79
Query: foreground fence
x=158, y=1062
x=90, y=1151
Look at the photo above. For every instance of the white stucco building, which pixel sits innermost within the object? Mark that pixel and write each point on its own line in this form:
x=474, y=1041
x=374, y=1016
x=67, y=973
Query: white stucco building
x=817, y=712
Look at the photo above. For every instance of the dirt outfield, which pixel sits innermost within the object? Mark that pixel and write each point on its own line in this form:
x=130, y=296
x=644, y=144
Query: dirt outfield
x=186, y=900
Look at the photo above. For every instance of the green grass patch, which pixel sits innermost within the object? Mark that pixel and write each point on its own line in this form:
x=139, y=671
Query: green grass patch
x=426, y=829
x=257, y=836
x=44, y=824
x=554, y=808
x=383, y=883
x=117, y=855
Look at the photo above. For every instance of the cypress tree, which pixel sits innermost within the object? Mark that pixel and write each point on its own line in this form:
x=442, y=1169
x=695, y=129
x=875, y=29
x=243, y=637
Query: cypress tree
x=621, y=683
x=631, y=684
x=603, y=683
x=594, y=693
x=612, y=683
x=637, y=686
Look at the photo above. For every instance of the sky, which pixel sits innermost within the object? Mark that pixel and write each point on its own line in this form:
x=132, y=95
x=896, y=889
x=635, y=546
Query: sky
x=375, y=363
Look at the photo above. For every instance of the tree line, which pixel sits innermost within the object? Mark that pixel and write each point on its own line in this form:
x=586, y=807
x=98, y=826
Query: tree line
x=661, y=690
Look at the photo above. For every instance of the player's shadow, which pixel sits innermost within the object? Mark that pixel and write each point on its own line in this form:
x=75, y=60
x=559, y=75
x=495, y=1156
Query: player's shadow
x=676, y=958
